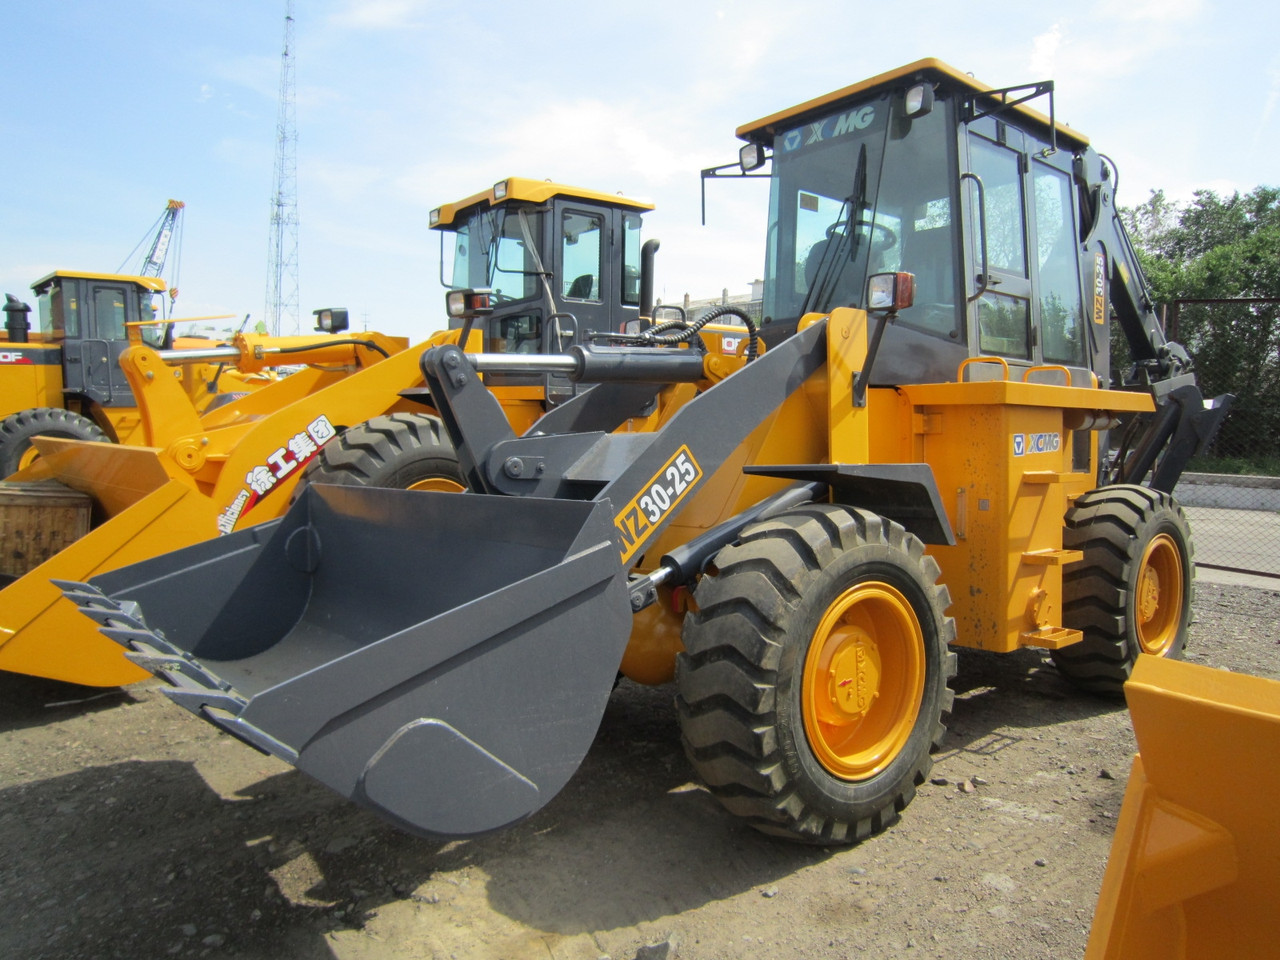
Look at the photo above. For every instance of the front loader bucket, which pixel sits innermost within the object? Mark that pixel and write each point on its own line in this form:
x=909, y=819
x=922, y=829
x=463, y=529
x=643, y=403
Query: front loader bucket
x=443, y=659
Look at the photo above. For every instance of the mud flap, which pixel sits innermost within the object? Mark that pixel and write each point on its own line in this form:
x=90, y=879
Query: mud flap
x=443, y=659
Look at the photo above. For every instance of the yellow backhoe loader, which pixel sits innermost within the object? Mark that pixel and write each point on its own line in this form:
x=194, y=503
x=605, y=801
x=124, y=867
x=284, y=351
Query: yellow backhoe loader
x=195, y=478
x=917, y=449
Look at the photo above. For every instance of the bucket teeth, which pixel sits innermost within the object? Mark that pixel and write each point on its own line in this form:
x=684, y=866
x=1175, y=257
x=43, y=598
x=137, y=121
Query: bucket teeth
x=191, y=685
x=100, y=608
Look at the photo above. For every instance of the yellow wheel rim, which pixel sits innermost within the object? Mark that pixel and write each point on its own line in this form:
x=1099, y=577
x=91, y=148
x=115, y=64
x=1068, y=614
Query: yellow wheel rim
x=28, y=457
x=442, y=484
x=1159, y=603
x=863, y=681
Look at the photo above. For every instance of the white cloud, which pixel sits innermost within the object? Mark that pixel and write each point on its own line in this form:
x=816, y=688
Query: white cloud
x=381, y=14
x=1044, y=52
x=1146, y=11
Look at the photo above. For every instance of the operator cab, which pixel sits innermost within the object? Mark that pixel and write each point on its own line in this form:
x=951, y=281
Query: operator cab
x=560, y=264
x=924, y=170
x=88, y=316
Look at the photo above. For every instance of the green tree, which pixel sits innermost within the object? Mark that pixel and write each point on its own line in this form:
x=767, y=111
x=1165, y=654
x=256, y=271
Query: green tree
x=1222, y=248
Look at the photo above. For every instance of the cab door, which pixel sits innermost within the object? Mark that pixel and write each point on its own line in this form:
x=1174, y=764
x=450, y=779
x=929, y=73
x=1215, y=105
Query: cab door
x=94, y=337
x=583, y=280
x=1000, y=280
x=111, y=306
x=1025, y=299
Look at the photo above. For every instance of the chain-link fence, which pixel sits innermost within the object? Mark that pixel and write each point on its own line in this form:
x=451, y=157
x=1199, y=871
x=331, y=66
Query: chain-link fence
x=1232, y=492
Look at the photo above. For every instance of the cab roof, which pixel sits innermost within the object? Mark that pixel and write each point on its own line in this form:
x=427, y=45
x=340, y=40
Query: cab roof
x=154, y=284
x=529, y=191
x=935, y=71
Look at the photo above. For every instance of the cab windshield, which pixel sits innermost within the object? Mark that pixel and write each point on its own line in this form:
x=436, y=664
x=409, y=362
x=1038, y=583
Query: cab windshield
x=862, y=191
x=490, y=251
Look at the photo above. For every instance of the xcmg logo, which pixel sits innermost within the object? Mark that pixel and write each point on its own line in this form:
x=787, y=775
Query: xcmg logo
x=1025, y=443
x=829, y=129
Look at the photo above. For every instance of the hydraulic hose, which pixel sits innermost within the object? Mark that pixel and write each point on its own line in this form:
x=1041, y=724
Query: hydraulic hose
x=367, y=344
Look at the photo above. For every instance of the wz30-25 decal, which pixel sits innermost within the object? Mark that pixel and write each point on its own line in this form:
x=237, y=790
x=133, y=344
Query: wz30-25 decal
x=656, y=500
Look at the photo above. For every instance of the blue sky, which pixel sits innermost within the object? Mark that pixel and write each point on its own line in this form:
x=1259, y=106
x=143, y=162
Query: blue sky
x=110, y=109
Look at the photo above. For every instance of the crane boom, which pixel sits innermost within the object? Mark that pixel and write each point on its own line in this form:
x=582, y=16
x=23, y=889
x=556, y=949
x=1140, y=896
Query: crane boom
x=162, y=233
x=168, y=225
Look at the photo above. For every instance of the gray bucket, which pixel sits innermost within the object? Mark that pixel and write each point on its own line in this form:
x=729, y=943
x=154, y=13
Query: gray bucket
x=443, y=659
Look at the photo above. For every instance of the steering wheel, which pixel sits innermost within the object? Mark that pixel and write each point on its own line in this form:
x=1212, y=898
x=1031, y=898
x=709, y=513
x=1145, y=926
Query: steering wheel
x=879, y=233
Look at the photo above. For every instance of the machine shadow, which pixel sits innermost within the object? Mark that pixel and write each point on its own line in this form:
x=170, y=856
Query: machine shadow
x=27, y=701
x=158, y=861
x=1000, y=697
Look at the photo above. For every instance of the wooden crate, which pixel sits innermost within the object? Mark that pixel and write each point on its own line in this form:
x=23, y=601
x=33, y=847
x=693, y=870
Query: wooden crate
x=36, y=521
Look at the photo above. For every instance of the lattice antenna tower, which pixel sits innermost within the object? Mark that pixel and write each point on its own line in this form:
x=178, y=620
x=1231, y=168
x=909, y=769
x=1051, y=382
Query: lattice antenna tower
x=282, y=257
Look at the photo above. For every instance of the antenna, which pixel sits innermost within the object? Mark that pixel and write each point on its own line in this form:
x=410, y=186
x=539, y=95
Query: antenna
x=282, y=255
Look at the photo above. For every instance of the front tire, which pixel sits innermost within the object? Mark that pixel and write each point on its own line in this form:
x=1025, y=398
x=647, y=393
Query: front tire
x=18, y=429
x=403, y=451
x=1132, y=592
x=815, y=679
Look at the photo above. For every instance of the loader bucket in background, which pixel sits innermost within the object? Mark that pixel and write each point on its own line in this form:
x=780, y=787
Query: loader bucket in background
x=42, y=636
x=443, y=659
x=1194, y=870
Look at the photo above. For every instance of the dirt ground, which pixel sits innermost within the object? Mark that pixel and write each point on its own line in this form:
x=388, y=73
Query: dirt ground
x=131, y=829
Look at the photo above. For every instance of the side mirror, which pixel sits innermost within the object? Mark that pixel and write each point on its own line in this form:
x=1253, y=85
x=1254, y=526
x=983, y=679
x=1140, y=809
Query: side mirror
x=331, y=319
x=890, y=291
x=751, y=157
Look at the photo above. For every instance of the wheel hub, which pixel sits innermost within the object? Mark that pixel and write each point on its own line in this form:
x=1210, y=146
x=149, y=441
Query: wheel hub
x=864, y=680
x=1158, y=606
x=854, y=677
x=1149, y=594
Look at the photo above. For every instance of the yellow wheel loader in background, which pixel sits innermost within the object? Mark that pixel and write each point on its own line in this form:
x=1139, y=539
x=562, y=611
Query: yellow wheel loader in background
x=910, y=453
x=63, y=378
x=342, y=419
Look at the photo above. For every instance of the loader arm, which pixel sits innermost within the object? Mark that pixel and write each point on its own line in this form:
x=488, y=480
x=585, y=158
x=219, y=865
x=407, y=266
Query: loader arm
x=647, y=476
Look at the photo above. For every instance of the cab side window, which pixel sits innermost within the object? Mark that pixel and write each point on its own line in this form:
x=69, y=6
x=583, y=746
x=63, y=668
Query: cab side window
x=109, y=311
x=1004, y=309
x=581, y=250
x=631, y=259
x=1061, y=311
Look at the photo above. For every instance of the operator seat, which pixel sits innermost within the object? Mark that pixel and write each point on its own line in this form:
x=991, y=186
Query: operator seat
x=580, y=289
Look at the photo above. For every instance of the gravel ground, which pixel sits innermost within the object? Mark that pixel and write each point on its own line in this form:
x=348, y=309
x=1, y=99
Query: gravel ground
x=131, y=829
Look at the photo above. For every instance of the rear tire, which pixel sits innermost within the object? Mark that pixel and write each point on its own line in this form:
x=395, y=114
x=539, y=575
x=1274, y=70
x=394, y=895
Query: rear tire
x=403, y=451
x=17, y=430
x=1132, y=592
x=815, y=679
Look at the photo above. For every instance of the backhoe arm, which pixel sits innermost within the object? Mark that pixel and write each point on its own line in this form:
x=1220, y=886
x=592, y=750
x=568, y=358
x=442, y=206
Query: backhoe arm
x=1184, y=422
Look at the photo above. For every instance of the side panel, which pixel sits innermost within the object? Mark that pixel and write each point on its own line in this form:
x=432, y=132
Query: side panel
x=30, y=376
x=1002, y=455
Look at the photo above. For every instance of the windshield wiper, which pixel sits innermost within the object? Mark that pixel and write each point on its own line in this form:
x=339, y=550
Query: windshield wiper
x=842, y=245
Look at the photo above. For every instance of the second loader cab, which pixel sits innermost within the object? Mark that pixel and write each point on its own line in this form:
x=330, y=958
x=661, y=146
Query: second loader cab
x=82, y=328
x=559, y=263
x=60, y=371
